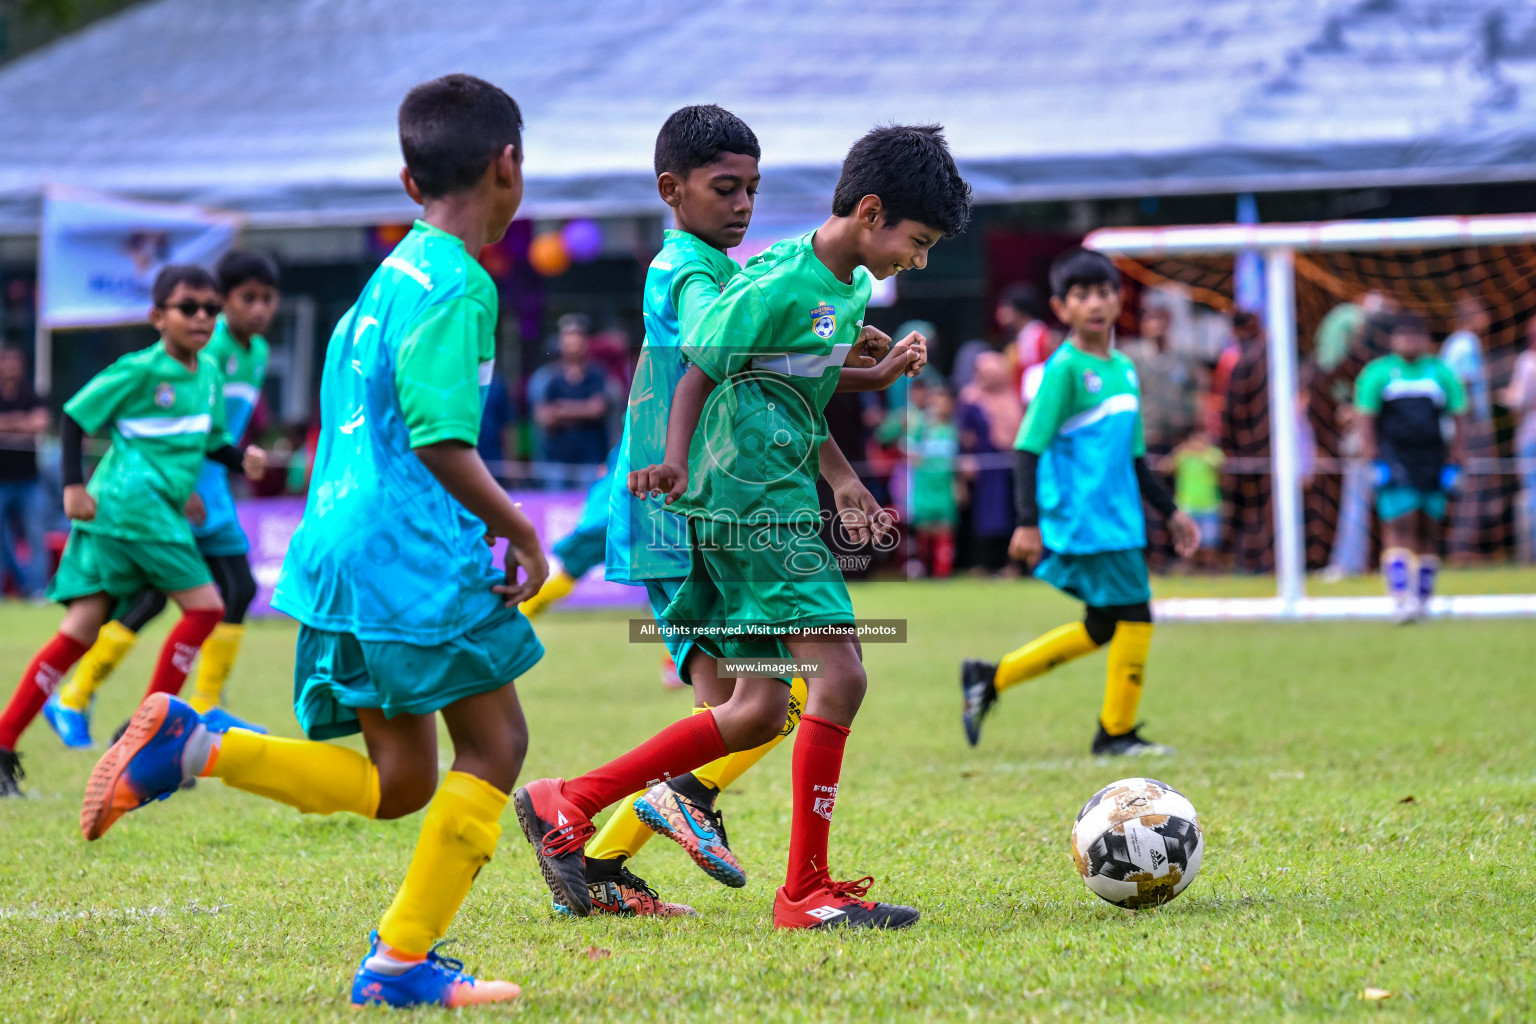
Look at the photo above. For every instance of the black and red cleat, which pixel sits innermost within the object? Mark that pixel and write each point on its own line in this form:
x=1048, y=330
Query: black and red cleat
x=840, y=905
x=557, y=831
x=619, y=891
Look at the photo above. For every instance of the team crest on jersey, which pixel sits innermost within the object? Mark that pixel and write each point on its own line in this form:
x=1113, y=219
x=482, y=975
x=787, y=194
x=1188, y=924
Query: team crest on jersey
x=824, y=321
x=1092, y=382
x=231, y=365
x=165, y=395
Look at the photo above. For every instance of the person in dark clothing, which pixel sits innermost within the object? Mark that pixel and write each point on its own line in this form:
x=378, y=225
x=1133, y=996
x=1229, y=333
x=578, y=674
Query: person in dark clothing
x=571, y=406
x=23, y=504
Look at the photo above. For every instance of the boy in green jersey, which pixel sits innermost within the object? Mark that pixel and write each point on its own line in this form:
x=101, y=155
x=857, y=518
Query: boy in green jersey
x=745, y=440
x=1403, y=399
x=248, y=282
x=1080, y=477
x=166, y=414
x=403, y=612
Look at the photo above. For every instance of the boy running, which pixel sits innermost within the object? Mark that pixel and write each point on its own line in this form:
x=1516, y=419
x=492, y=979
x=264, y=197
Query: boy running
x=403, y=613
x=166, y=415
x=1081, y=440
x=1401, y=399
x=248, y=281
x=747, y=418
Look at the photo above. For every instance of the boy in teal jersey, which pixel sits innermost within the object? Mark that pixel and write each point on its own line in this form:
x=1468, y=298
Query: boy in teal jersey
x=403, y=613
x=745, y=425
x=1080, y=476
x=163, y=408
x=248, y=282
x=1403, y=399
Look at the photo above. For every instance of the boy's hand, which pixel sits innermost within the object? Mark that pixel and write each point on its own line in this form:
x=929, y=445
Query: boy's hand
x=78, y=503
x=1025, y=546
x=659, y=479
x=254, y=463
x=873, y=344
x=860, y=515
x=897, y=361
x=195, y=511
x=919, y=346
x=1186, y=535
x=530, y=558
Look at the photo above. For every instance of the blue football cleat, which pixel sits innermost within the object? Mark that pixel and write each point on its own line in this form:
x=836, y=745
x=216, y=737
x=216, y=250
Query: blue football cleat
x=144, y=765
x=436, y=981
x=219, y=720
x=73, y=727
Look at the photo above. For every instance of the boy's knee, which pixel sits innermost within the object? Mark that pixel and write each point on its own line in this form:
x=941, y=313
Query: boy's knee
x=405, y=790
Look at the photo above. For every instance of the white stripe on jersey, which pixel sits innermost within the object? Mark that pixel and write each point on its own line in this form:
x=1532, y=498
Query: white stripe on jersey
x=487, y=370
x=1111, y=406
x=414, y=273
x=165, y=426
x=803, y=364
x=1424, y=387
x=246, y=392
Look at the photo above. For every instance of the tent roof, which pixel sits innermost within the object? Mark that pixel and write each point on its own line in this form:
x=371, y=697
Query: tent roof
x=284, y=109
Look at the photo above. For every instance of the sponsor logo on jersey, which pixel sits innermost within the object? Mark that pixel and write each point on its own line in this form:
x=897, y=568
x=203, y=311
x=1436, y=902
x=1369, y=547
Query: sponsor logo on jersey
x=165, y=395
x=824, y=321
x=1092, y=382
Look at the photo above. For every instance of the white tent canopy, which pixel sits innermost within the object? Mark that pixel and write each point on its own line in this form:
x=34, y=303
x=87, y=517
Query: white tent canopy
x=284, y=109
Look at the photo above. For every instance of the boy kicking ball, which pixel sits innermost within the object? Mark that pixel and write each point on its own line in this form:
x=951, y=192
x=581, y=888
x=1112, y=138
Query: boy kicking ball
x=1080, y=475
x=403, y=613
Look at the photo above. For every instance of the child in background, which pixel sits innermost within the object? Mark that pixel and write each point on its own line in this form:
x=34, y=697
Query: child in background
x=932, y=445
x=1196, y=466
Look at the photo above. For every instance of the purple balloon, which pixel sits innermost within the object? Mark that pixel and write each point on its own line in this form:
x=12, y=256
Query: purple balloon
x=583, y=240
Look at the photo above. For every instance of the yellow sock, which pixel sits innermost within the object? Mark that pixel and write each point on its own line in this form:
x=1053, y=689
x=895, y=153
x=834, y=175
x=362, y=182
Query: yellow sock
x=317, y=778
x=218, y=658
x=457, y=839
x=1122, y=683
x=112, y=645
x=557, y=586
x=1042, y=654
x=723, y=771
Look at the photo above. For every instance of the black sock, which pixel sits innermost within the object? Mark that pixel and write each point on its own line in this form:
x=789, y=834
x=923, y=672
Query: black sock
x=603, y=869
x=693, y=789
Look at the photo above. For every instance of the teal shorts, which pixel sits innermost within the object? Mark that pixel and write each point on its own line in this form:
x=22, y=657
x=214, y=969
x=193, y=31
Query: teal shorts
x=1099, y=580
x=583, y=548
x=660, y=593
x=223, y=540
x=1396, y=502
x=334, y=674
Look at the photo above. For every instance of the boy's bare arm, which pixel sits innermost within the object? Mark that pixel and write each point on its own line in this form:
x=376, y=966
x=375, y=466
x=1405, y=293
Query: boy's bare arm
x=458, y=467
x=860, y=515
x=670, y=476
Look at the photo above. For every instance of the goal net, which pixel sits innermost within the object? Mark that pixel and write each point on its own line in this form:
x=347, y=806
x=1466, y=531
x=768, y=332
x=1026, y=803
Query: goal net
x=1298, y=501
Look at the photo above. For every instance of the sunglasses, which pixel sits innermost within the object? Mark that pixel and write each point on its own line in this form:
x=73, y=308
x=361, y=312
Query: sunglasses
x=189, y=309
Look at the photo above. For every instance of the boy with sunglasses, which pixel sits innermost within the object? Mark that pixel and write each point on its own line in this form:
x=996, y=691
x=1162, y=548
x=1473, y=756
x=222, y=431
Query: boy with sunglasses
x=166, y=413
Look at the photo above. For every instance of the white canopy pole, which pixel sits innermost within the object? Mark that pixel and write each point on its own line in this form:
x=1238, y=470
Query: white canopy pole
x=1284, y=444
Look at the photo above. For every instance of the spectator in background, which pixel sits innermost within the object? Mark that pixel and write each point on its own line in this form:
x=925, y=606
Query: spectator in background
x=1020, y=314
x=1478, y=499
x=23, y=504
x=570, y=405
x=1245, y=436
x=1196, y=466
x=932, y=445
x=990, y=414
x=1520, y=398
x=1171, y=384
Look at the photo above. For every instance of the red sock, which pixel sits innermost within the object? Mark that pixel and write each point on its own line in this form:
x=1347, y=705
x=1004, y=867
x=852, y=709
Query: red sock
x=943, y=555
x=814, y=769
x=676, y=750
x=181, y=647
x=37, y=685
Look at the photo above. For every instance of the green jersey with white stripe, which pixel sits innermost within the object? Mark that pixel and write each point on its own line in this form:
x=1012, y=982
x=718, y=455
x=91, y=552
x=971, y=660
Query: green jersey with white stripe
x=774, y=343
x=1085, y=424
x=163, y=418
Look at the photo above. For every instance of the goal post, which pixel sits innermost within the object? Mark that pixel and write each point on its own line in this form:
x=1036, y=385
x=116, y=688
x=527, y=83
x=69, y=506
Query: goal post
x=1279, y=245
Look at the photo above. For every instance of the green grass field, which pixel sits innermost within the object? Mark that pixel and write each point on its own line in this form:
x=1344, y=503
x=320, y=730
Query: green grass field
x=1368, y=795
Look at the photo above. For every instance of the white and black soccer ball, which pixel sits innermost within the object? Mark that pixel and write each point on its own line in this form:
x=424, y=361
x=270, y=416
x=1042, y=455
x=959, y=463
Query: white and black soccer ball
x=1137, y=843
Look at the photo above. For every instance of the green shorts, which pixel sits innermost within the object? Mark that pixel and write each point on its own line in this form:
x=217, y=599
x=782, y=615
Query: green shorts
x=1396, y=502
x=336, y=673
x=747, y=575
x=94, y=563
x=1099, y=580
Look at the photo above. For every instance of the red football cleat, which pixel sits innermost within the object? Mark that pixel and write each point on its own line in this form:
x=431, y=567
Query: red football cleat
x=557, y=831
x=840, y=904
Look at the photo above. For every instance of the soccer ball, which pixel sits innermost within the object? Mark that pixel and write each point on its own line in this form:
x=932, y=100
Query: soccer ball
x=1137, y=843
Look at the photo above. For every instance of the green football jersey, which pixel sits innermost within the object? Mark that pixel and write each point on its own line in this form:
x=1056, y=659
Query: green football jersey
x=164, y=419
x=774, y=343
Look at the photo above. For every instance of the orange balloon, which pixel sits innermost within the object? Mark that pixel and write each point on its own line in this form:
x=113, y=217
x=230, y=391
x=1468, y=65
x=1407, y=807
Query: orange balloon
x=548, y=256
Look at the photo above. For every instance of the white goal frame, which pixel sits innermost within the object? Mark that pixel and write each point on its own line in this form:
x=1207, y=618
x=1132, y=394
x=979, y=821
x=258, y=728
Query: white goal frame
x=1278, y=245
